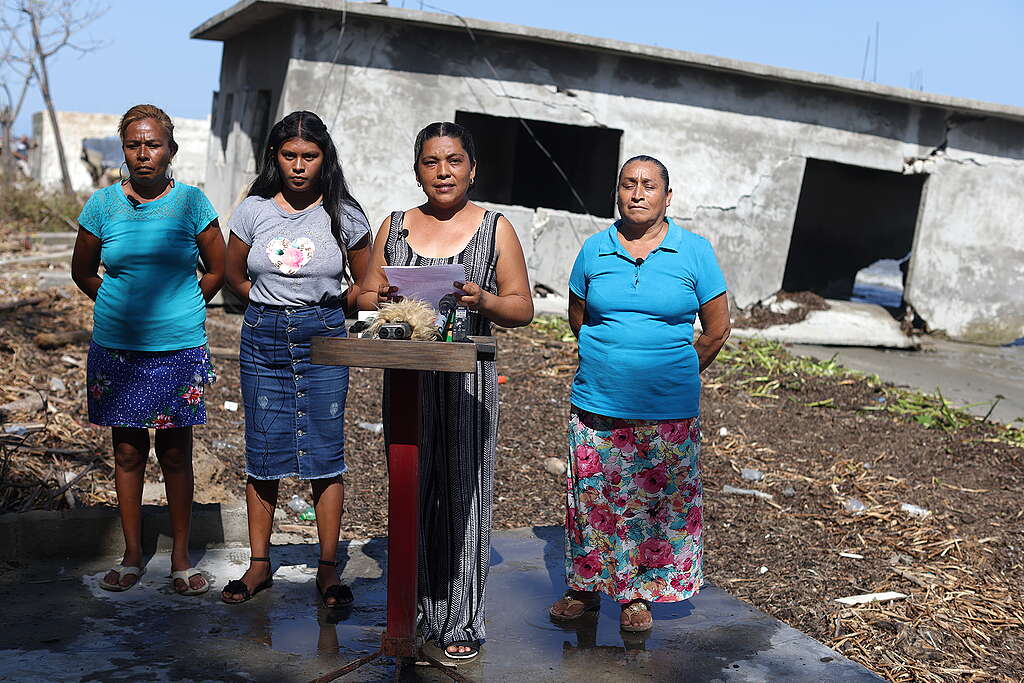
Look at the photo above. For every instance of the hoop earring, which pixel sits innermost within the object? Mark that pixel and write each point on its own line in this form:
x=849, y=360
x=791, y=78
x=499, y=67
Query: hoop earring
x=120, y=175
x=419, y=184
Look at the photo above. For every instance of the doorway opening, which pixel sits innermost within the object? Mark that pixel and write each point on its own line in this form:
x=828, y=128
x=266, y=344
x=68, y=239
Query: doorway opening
x=853, y=233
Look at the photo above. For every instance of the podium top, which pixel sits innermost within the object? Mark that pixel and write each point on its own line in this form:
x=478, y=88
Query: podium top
x=398, y=354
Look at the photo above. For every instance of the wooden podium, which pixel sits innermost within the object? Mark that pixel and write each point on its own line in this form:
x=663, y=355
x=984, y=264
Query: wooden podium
x=406, y=359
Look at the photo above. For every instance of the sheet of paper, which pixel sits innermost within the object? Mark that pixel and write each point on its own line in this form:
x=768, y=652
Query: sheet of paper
x=429, y=283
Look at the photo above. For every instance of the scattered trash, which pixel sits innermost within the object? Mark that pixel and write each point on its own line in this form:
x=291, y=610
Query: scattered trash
x=555, y=466
x=900, y=558
x=789, y=492
x=217, y=443
x=32, y=403
x=914, y=511
x=723, y=432
x=762, y=570
x=854, y=505
x=887, y=596
x=230, y=405
x=375, y=427
x=302, y=508
x=57, y=384
x=71, y=361
x=751, y=474
x=17, y=430
x=746, y=492
x=852, y=556
x=502, y=379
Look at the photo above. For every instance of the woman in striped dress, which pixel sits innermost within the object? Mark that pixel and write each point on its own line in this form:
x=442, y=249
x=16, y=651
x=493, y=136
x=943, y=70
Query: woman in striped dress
x=460, y=411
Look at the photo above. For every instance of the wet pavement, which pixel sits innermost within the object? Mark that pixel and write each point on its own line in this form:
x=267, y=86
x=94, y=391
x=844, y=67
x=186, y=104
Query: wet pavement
x=60, y=626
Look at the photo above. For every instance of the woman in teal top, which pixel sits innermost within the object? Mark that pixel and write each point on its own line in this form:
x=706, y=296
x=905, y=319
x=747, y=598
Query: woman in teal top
x=149, y=363
x=634, y=500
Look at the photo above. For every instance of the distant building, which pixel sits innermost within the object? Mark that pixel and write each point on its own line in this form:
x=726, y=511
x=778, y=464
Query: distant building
x=798, y=179
x=192, y=136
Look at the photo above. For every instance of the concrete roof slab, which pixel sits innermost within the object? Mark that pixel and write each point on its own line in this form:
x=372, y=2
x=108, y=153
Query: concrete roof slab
x=248, y=13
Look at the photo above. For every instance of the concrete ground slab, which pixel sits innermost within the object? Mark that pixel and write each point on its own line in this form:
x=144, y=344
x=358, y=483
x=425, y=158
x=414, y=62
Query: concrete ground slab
x=845, y=323
x=60, y=626
x=965, y=373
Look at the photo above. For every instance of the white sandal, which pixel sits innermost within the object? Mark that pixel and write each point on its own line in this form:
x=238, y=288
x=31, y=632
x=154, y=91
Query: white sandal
x=122, y=571
x=185, y=575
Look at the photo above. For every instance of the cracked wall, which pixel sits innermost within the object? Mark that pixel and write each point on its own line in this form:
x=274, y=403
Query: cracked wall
x=736, y=146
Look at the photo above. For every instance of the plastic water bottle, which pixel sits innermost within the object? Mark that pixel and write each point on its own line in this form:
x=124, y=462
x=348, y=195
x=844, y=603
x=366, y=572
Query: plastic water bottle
x=302, y=508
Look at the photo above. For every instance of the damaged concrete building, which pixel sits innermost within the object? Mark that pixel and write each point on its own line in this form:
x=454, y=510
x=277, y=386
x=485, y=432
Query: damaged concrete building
x=78, y=127
x=798, y=179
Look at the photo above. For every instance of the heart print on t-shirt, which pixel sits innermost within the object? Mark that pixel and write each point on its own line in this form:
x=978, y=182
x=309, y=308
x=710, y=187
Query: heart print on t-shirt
x=290, y=256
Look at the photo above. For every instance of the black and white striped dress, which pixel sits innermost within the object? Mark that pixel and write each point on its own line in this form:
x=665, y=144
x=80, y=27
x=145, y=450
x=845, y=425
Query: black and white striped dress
x=457, y=456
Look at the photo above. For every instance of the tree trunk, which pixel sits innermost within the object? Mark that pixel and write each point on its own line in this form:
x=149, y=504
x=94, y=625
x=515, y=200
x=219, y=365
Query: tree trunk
x=44, y=89
x=7, y=120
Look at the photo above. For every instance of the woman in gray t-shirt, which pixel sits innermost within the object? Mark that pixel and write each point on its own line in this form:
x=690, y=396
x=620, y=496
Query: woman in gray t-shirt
x=295, y=241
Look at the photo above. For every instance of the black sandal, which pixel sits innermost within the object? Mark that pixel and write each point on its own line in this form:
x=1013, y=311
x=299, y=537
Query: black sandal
x=237, y=586
x=473, y=645
x=341, y=593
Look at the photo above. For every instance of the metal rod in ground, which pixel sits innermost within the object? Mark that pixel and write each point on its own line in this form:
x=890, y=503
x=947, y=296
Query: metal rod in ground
x=351, y=666
x=446, y=670
x=422, y=656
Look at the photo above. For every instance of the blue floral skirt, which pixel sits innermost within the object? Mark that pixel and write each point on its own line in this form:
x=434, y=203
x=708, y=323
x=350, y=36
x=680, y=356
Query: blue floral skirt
x=148, y=389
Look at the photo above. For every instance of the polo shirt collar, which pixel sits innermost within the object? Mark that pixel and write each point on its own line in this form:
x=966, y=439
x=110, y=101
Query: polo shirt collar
x=612, y=246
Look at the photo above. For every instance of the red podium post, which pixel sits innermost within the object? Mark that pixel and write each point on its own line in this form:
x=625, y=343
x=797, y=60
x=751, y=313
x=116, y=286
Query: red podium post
x=405, y=359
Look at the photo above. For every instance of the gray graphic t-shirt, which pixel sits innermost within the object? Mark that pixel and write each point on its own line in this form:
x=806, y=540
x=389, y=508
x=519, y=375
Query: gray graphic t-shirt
x=293, y=257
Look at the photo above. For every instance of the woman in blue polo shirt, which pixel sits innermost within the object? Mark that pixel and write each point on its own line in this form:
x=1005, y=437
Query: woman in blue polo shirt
x=634, y=504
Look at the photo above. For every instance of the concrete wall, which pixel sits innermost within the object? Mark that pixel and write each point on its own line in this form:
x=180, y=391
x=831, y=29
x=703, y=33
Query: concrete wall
x=189, y=165
x=735, y=145
x=257, y=60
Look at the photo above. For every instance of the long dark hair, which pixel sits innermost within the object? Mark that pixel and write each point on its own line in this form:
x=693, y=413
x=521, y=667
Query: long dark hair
x=306, y=125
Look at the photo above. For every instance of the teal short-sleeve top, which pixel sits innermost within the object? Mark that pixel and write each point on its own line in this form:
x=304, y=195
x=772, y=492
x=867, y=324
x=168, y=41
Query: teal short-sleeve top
x=150, y=298
x=636, y=355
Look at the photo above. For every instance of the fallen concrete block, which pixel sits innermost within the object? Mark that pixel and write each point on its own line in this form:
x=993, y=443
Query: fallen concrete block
x=845, y=324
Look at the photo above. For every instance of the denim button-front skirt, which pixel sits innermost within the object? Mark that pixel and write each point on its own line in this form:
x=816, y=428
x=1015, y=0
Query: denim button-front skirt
x=294, y=410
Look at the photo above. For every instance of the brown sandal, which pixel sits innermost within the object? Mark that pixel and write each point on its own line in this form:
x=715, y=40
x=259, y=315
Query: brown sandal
x=636, y=607
x=569, y=600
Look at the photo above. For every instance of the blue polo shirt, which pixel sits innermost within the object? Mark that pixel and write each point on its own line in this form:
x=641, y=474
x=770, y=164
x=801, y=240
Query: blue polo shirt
x=637, y=359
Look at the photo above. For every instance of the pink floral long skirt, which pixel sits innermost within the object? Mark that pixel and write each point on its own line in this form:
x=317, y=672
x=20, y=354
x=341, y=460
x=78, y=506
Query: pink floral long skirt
x=634, y=508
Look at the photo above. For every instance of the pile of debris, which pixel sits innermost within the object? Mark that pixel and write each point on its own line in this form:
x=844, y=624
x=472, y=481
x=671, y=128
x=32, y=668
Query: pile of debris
x=781, y=308
x=49, y=454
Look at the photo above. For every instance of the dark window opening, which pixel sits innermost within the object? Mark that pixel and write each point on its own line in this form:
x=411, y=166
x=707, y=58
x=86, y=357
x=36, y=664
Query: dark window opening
x=851, y=219
x=213, y=110
x=226, y=119
x=260, y=126
x=514, y=170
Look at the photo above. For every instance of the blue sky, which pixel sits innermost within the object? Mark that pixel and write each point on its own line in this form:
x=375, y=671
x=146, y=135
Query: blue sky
x=957, y=48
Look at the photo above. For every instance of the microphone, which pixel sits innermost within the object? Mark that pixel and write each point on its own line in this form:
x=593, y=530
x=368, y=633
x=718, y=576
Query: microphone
x=403, y=233
x=134, y=202
x=639, y=262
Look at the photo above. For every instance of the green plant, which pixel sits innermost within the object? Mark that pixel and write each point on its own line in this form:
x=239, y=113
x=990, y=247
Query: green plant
x=554, y=325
